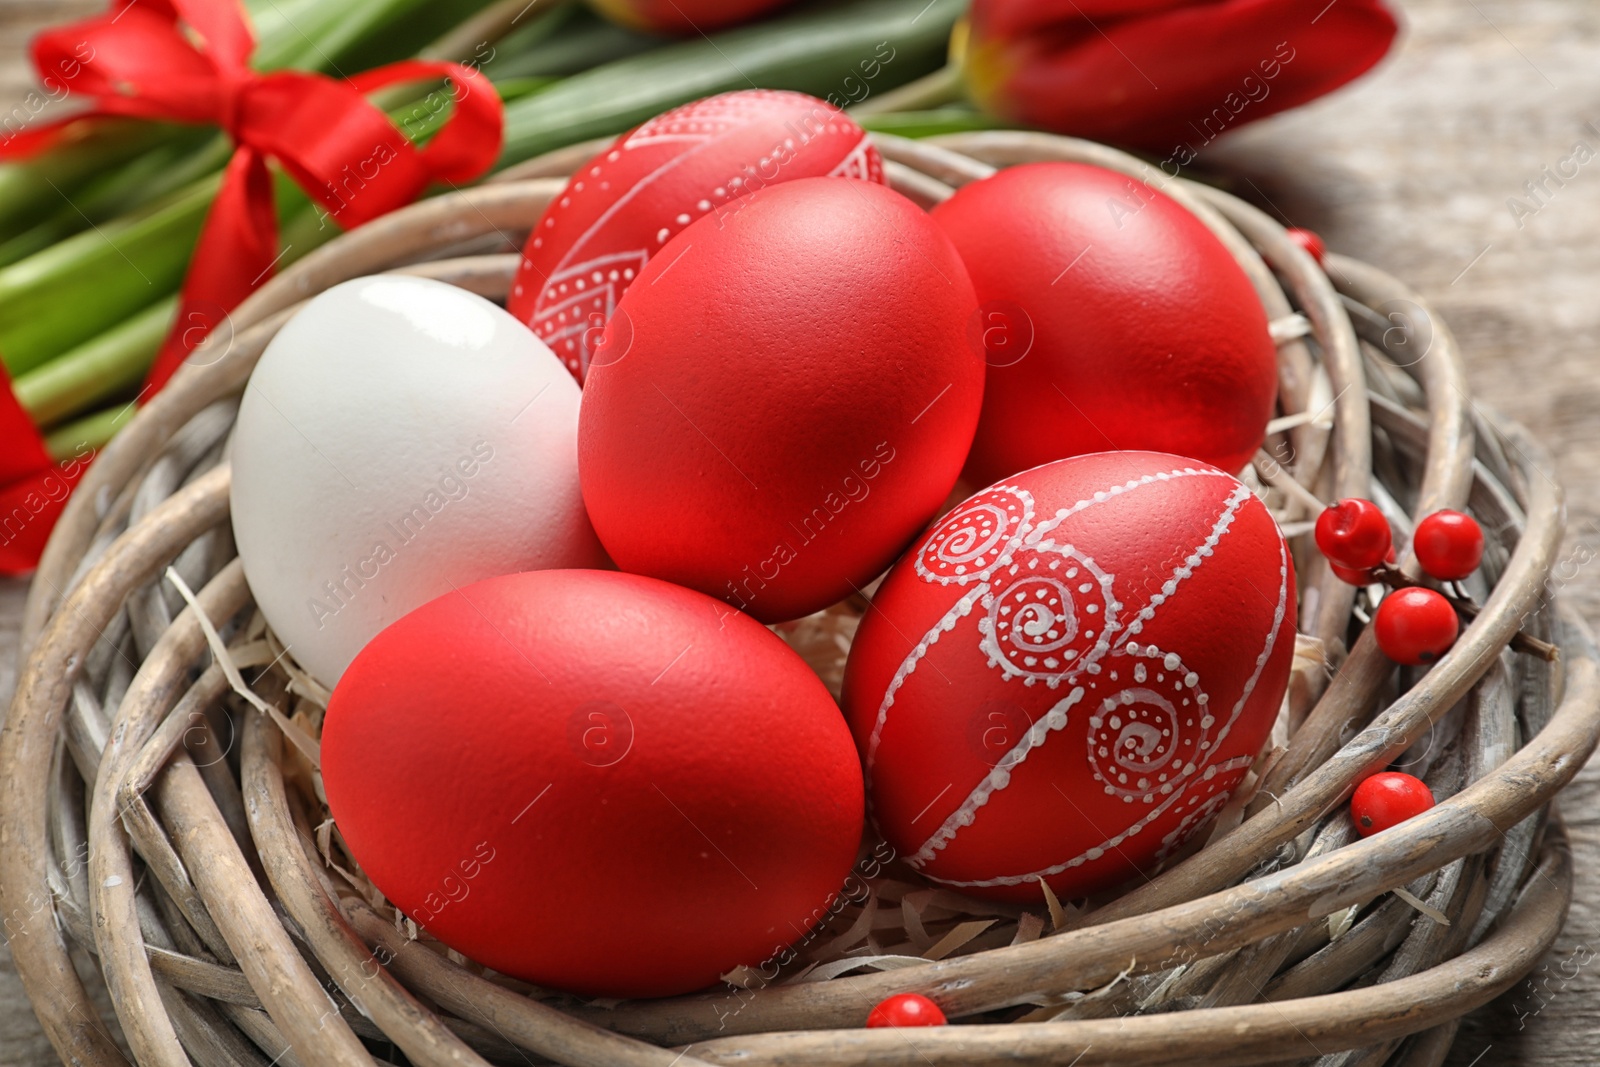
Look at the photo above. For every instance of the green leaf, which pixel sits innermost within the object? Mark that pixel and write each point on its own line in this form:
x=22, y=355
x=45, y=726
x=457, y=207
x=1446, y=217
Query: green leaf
x=94, y=280
x=566, y=41
x=112, y=363
x=930, y=123
x=33, y=186
x=826, y=51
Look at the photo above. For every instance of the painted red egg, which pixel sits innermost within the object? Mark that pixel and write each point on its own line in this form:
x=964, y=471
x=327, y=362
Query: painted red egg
x=623, y=206
x=1070, y=674
x=594, y=781
x=783, y=400
x=1112, y=319
x=683, y=16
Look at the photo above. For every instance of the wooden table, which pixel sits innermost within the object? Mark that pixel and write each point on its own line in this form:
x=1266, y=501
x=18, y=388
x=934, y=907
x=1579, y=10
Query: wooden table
x=1418, y=169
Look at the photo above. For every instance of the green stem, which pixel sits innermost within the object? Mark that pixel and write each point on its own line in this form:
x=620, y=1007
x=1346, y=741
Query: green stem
x=30, y=186
x=159, y=172
x=304, y=232
x=64, y=295
x=930, y=123
x=566, y=41
x=836, y=51
x=462, y=44
x=74, y=290
x=88, y=434
x=86, y=291
x=288, y=31
x=98, y=370
x=947, y=85
x=15, y=249
x=375, y=32
x=109, y=167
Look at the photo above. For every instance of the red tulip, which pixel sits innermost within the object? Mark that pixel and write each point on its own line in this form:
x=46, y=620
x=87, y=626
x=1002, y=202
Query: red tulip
x=683, y=16
x=1165, y=75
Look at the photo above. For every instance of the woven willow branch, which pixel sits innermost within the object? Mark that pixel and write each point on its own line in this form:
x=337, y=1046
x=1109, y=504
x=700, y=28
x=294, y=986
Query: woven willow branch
x=228, y=934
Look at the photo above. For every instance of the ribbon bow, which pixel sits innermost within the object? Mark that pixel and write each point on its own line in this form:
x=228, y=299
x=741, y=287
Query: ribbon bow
x=187, y=61
x=32, y=488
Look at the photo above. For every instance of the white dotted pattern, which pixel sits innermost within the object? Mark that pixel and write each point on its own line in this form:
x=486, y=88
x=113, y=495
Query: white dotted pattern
x=1151, y=727
x=582, y=291
x=1147, y=738
x=1050, y=615
x=977, y=537
x=1203, y=779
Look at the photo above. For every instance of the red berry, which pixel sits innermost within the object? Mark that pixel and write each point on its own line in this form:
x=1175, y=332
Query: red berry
x=906, y=1009
x=1360, y=577
x=1351, y=575
x=1415, y=625
x=1310, y=242
x=1386, y=799
x=1354, y=534
x=1449, y=545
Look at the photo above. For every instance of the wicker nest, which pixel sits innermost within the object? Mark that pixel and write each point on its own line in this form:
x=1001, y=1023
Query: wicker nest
x=153, y=813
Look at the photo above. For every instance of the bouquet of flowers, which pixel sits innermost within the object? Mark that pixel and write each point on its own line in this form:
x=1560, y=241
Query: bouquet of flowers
x=178, y=152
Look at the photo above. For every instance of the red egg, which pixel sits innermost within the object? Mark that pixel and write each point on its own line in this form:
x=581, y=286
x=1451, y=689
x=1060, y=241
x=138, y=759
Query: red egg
x=784, y=399
x=594, y=781
x=1112, y=319
x=621, y=207
x=683, y=16
x=1071, y=673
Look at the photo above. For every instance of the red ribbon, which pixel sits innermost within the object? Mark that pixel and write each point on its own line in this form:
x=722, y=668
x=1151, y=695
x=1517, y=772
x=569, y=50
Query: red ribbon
x=187, y=61
x=33, y=490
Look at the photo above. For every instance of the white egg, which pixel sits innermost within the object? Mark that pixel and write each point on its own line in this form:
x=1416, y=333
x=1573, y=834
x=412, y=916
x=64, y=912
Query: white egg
x=400, y=438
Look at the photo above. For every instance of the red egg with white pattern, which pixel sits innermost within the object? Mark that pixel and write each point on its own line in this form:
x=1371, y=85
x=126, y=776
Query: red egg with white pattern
x=1071, y=673
x=619, y=209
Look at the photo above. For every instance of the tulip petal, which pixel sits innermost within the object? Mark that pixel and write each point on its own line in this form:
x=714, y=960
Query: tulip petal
x=1174, y=77
x=1010, y=18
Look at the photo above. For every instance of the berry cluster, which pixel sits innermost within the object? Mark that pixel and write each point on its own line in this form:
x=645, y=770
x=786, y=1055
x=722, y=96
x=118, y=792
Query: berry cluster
x=1414, y=624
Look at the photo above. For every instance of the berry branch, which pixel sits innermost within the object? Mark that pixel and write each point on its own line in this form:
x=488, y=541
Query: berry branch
x=1416, y=624
x=1522, y=641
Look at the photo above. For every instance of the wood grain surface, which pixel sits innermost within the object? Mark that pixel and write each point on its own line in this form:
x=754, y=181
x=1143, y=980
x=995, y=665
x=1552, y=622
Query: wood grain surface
x=1423, y=169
